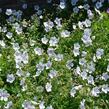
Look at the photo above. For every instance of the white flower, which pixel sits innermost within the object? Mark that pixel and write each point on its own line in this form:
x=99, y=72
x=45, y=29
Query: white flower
x=40, y=66
x=48, y=25
x=65, y=33
x=58, y=23
x=51, y=52
x=2, y=43
x=4, y=95
x=8, y=105
x=90, y=14
x=24, y=6
x=90, y=79
x=83, y=74
x=86, y=37
x=53, y=41
x=99, y=53
x=41, y=105
x=9, y=35
x=8, y=12
x=58, y=57
x=82, y=104
x=95, y=91
x=28, y=105
x=80, y=25
x=69, y=64
x=48, y=87
x=91, y=67
x=10, y=78
x=48, y=65
x=87, y=23
x=82, y=61
x=74, y=89
x=76, y=49
x=62, y=4
x=44, y=40
x=108, y=68
x=73, y=92
x=52, y=73
x=105, y=88
x=105, y=76
x=38, y=51
x=19, y=30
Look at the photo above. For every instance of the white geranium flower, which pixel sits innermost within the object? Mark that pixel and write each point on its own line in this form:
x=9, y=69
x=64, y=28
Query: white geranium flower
x=83, y=74
x=4, y=95
x=62, y=4
x=8, y=105
x=99, y=53
x=65, y=33
x=90, y=79
x=28, y=105
x=82, y=104
x=108, y=68
x=95, y=91
x=38, y=51
x=80, y=25
x=53, y=41
x=2, y=43
x=10, y=78
x=86, y=37
x=9, y=35
x=105, y=88
x=51, y=52
x=87, y=23
x=76, y=51
x=48, y=25
x=48, y=65
x=105, y=76
x=69, y=64
x=48, y=87
x=52, y=74
x=41, y=105
x=9, y=12
x=44, y=40
x=58, y=57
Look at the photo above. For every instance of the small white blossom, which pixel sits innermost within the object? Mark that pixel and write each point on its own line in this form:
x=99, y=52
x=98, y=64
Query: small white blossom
x=9, y=35
x=95, y=91
x=69, y=64
x=62, y=4
x=52, y=74
x=41, y=105
x=49, y=107
x=105, y=76
x=99, y=53
x=10, y=78
x=90, y=79
x=58, y=57
x=44, y=40
x=8, y=12
x=38, y=51
x=82, y=104
x=28, y=105
x=108, y=68
x=8, y=105
x=53, y=41
x=4, y=95
x=105, y=88
x=65, y=33
x=48, y=87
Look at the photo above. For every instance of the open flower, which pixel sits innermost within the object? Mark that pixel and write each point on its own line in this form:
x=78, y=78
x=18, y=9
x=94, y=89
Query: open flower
x=48, y=87
x=10, y=78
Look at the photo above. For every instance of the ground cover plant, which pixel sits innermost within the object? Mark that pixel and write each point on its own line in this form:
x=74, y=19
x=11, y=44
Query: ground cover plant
x=55, y=57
